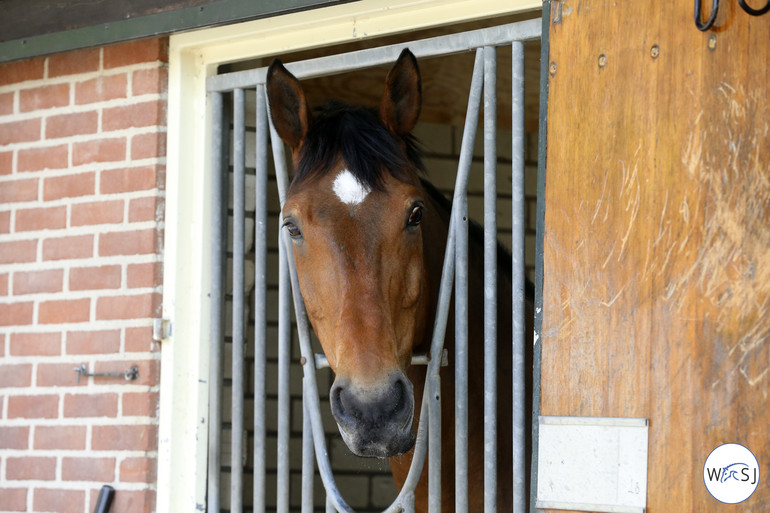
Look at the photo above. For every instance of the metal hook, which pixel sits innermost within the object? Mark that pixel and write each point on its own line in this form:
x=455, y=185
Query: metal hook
x=714, y=8
x=754, y=12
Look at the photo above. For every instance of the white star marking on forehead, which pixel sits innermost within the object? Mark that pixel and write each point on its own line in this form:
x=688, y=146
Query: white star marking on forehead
x=349, y=190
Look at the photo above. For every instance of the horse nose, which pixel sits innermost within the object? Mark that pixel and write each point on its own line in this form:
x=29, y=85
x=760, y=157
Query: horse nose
x=374, y=420
x=390, y=402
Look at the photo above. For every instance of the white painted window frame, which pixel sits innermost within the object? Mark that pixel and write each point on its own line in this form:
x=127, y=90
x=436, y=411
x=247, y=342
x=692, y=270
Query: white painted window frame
x=193, y=57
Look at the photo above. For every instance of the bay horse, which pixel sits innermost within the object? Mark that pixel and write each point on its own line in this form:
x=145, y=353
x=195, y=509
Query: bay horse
x=368, y=237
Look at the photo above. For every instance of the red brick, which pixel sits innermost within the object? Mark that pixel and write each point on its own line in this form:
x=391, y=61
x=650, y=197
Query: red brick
x=139, y=340
x=138, y=242
x=137, y=115
x=145, y=209
x=135, y=501
x=145, y=275
x=35, y=344
x=101, y=89
x=30, y=467
x=15, y=375
x=14, y=437
x=124, y=438
x=69, y=186
x=3, y=286
x=93, y=342
x=6, y=104
x=18, y=190
x=5, y=222
x=13, y=499
x=64, y=310
x=44, y=97
x=93, y=278
x=130, y=179
x=66, y=125
x=140, y=306
x=20, y=131
x=6, y=162
x=16, y=314
x=33, y=282
x=33, y=406
x=58, y=375
x=90, y=405
x=101, y=150
x=72, y=438
x=147, y=146
x=138, y=470
x=31, y=219
x=17, y=252
x=141, y=404
x=77, y=246
x=136, y=52
x=97, y=212
x=70, y=63
x=37, y=159
x=88, y=469
x=60, y=501
x=21, y=71
x=149, y=81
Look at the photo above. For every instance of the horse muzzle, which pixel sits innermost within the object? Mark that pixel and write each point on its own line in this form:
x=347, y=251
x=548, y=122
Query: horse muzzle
x=375, y=420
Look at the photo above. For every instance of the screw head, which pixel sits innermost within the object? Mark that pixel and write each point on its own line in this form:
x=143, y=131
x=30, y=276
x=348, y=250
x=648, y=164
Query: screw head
x=712, y=42
x=552, y=68
x=602, y=60
x=654, y=51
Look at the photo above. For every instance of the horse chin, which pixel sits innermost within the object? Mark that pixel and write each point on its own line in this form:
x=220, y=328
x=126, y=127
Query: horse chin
x=385, y=446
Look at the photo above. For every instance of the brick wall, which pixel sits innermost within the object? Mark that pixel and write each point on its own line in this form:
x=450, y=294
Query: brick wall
x=82, y=154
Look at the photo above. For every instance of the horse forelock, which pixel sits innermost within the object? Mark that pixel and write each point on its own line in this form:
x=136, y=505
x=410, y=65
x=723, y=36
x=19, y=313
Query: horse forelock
x=357, y=137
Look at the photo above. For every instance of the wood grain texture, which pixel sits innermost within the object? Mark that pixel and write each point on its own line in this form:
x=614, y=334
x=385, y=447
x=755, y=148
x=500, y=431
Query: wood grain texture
x=657, y=234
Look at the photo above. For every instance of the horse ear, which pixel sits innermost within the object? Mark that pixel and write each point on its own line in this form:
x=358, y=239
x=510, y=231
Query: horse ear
x=288, y=105
x=402, y=99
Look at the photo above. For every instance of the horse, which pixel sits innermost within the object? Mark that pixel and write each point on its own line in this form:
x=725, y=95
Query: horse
x=368, y=236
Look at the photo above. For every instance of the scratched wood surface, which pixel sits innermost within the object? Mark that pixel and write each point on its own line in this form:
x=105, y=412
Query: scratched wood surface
x=657, y=233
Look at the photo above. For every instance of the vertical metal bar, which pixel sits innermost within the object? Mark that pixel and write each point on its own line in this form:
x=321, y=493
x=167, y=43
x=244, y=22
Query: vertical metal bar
x=239, y=219
x=461, y=357
x=260, y=301
x=517, y=276
x=284, y=399
x=434, y=443
x=308, y=455
x=216, y=295
x=490, y=280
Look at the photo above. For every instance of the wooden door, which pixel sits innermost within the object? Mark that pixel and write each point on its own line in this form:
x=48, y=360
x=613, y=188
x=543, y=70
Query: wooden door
x=656, y=249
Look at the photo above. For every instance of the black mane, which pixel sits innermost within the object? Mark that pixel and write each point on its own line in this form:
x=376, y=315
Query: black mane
x=356, y=135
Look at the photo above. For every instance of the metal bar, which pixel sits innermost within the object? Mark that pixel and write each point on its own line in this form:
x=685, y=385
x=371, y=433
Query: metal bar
x=216, y=294
x=239, y=231
x=260, y=301
x=308, y=456
x=431, y=47
x=461, y=357
x=490, y=280
x=284, y=398
x=518, y=207
x=434, y=443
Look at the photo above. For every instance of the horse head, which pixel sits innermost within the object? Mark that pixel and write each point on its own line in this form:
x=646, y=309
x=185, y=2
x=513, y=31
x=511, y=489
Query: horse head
x=355, y=212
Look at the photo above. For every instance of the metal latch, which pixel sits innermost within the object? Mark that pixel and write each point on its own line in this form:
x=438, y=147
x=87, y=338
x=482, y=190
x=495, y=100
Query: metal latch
x=131, y=374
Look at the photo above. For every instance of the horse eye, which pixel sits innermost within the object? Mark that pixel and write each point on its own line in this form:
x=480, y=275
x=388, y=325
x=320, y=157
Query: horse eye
x=415, y=217
x=294, y=232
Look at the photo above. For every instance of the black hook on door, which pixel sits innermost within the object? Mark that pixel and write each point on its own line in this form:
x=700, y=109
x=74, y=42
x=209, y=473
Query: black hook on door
x=754, y=12
x=714, y=8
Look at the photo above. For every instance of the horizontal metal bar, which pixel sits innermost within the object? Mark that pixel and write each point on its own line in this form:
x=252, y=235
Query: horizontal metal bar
x=431, y=47
x=417, y=359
